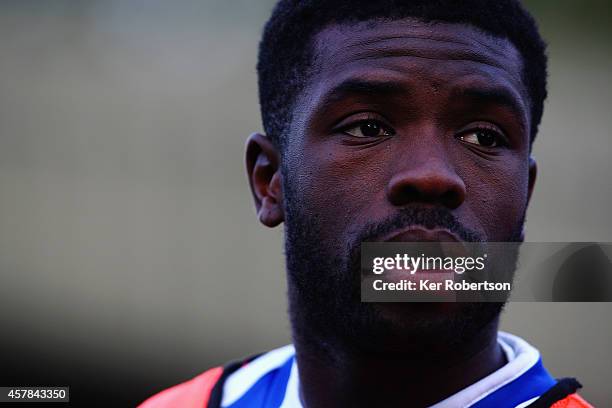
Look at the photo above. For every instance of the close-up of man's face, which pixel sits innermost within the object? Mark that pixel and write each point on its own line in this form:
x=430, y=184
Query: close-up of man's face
x=405, y=131
x=306, y=203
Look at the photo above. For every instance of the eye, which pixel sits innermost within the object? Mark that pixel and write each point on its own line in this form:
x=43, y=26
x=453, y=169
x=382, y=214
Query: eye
x=368, y=128
x=483, y=137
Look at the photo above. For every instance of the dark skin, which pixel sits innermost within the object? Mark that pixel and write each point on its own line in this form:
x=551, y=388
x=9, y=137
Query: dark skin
x=397, y=114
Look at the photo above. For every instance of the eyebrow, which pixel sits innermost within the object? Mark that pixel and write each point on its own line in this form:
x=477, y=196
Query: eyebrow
x=491, y=96
x=362, y=87
x=476, y=95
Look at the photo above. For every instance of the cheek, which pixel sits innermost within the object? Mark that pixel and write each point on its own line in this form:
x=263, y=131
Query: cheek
x=340, y=190
x=497, y=198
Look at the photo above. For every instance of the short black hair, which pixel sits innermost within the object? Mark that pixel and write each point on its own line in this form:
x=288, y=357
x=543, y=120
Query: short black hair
x=286, y=48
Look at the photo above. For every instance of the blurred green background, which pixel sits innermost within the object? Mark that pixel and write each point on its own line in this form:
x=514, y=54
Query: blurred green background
x=130, y=256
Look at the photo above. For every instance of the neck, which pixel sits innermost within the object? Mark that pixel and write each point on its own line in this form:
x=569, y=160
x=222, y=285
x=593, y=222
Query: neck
x=389, y=379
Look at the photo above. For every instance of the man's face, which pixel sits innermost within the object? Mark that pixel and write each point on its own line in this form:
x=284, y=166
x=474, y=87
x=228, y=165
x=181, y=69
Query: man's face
x=405, y=131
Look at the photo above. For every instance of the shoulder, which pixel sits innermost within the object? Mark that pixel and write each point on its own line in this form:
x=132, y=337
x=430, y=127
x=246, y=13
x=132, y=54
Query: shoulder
x=261, y=382
x=251, y=379
x=193, y=393
x=572, y=401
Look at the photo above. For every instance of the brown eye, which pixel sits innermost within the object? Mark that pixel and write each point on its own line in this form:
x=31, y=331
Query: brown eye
x=369, y=128
x=482, y=137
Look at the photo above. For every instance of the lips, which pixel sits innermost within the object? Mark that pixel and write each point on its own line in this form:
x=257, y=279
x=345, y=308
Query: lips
x=421, y=234
x=435, y=243
x=433, y=246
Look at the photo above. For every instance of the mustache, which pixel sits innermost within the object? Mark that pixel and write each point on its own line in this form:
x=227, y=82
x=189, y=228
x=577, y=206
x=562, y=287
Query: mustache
x=429, y=218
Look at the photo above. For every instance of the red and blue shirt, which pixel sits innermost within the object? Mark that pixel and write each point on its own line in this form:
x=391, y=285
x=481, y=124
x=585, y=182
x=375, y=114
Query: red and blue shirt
x=272, y=380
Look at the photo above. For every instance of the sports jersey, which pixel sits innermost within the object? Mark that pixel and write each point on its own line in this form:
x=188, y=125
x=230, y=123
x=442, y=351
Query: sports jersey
x=272, y=380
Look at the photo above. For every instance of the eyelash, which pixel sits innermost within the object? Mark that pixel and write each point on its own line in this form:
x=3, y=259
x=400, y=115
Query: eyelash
x=500, y=139
x=360, y=122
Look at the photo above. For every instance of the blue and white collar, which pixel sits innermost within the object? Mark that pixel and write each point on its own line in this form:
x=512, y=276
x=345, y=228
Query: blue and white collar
x=272, y=380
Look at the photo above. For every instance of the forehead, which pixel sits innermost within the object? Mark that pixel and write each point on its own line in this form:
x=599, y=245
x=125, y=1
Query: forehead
x=361, y=37
x=438, y=55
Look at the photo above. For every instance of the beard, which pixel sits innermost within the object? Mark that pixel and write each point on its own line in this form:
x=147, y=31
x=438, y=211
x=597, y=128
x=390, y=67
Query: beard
x=325, y=306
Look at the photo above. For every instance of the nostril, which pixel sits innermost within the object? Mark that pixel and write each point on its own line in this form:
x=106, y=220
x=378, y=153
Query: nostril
x=407, y=194
x=411, y=193
x=450, y=199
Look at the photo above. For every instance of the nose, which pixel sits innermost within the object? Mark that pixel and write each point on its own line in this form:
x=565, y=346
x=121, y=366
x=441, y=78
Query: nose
x=426, y=180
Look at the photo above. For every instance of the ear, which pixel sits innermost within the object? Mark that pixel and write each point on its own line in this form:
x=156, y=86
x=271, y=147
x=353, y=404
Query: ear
x=533, y=172
x=263, y=171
